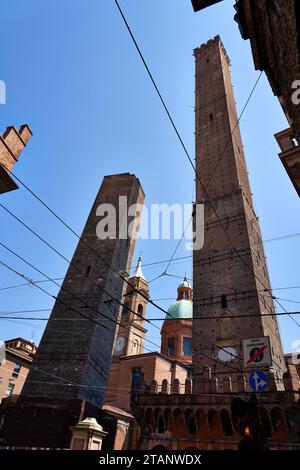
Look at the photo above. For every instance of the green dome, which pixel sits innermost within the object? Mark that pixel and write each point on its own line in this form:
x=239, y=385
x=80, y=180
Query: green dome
x=181, y=309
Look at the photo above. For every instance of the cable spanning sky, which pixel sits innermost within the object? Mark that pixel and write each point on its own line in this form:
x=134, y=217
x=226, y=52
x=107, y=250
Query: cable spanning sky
x=73, y=75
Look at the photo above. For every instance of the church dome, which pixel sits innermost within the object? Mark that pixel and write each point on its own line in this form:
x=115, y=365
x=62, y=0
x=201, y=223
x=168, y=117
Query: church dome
x=181, y=309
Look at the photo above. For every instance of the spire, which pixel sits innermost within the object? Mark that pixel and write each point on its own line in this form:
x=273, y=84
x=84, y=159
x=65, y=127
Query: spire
x=185, y=283
x=138, y=272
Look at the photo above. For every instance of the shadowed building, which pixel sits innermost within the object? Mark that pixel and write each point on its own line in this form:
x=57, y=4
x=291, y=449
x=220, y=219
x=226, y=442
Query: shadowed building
x=273, y=29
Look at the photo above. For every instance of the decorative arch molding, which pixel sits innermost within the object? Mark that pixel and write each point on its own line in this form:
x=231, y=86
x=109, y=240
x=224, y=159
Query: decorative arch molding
x=226, y=325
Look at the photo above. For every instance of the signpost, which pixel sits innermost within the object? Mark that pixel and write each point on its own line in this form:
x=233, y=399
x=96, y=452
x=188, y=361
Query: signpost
x=257, y=352
x=258, y=381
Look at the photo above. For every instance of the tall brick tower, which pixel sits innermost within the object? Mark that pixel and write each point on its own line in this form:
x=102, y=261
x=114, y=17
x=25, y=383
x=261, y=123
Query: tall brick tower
x=230, y=272
x=74, y=349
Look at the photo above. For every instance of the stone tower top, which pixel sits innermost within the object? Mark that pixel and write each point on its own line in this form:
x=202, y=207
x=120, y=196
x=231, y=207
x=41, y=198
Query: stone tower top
x=211, y=44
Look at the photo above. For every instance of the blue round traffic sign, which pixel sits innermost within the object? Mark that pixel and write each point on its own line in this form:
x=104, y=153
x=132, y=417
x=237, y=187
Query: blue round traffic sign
x=258, y=381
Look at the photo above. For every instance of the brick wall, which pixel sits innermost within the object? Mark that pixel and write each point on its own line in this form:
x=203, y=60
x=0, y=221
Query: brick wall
x=232, y=262
x=73, y=348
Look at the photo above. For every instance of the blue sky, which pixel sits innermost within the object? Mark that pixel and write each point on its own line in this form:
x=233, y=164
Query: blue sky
x=72, y=73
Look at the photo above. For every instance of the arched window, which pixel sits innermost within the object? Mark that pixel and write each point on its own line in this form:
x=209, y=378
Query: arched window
x=224, y=301
x=150, y=420
x=190, y=422
x=212, y=419
x=161, y=425
x=290, y=419
x=136, y=347
x=168, y=418
x=266, y=422
x=140, y=309
x=88, y=270
x=226, y=423
x=277, y=419
x=227, y=387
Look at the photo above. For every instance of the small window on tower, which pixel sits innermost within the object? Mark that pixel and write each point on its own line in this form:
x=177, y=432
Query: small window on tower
x=211, y=116
x=9, y=390
x=135, y=347
x=125, y=309
x=140, y=309
x=16, y=370
x=171, y=346
x=186, y=294
x=88, y=270
x=224, y=301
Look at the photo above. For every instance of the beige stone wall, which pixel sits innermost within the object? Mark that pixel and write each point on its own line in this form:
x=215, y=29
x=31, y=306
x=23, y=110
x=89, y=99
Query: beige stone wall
x=153, y=366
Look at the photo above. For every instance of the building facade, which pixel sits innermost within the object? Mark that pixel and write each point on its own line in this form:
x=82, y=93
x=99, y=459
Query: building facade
x=273, y=29
x=133, y=369
x=19, y=355
x=12, y=143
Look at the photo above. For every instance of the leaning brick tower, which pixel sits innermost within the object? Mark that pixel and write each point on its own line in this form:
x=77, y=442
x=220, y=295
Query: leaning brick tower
x=230, y=272
x=76, y=349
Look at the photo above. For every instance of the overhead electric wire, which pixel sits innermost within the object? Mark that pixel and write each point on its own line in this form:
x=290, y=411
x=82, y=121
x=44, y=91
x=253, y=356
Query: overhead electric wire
x=252, y=315
x=114, y=321
x=58, y=300
x=103, y=260
x=186, y=151
x=69, y=292
x=124, y=279
x=67, y=226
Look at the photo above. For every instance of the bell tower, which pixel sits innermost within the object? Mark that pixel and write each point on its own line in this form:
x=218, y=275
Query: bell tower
x=131, y=333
